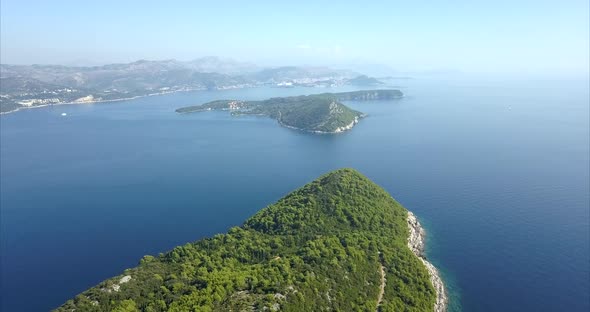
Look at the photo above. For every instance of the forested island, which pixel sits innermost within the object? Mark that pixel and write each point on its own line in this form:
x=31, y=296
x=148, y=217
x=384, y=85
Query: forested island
x=318, y=113
x=339, y=243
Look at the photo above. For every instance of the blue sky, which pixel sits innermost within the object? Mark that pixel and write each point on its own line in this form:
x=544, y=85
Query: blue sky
x=468, y=36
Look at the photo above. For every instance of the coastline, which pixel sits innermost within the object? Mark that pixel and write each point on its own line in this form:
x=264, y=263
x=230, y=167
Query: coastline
x=80, y=103
x=416, y=243
x=100, y=101
x=77, y=103
x=338, y=130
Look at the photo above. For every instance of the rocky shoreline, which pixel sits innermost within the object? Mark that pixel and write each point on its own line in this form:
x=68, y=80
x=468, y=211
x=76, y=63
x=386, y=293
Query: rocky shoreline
x=416, y=242
x=338, y=130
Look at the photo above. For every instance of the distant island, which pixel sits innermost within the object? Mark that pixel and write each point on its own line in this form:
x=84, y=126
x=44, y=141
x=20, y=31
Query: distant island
x=318, y=113
x=364, y=80
x=339, y=243
x=30, y=86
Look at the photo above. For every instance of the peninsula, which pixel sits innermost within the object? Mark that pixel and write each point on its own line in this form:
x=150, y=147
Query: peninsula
x=318, y=113
x=339, y=243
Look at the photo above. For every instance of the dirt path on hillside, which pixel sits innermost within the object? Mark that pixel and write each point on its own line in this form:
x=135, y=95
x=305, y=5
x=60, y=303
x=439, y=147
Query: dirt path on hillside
x=381, y=287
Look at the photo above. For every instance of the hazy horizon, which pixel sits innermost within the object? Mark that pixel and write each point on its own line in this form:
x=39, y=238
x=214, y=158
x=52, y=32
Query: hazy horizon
x=295, y=155
x=501, y=37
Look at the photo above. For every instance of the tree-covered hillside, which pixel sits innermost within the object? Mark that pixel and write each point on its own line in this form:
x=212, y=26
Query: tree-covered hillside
x=313, y=113
x=320, y=248
x=368, y=95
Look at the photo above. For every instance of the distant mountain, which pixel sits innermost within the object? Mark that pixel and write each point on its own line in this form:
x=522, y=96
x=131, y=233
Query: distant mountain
x=299, y=74
x=371, y=69
x=213, y=64
x=26, y=86
x=364, y=80
x=139, y=75
x=318, y=113
x=339, y=243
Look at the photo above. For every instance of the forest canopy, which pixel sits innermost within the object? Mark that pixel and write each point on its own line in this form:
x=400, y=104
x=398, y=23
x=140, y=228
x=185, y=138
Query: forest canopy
x=320, y=248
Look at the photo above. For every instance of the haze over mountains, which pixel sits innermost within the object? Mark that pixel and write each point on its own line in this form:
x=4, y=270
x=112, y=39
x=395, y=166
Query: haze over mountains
x=24, y=86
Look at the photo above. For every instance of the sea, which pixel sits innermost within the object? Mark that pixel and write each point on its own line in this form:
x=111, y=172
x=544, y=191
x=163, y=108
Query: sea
x=496, y=169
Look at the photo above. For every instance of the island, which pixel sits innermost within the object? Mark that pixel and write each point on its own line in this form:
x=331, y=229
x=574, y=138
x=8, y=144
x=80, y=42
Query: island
x=339, y=243
x=317, y=113
x=364, y=80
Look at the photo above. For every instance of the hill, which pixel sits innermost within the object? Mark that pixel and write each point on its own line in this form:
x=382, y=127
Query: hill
x=318, y=113
x=364, y=80
x=368, y=95
x=23, y=86
x=339, y=243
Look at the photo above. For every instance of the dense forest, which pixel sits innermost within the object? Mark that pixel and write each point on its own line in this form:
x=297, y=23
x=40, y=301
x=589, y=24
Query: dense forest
x=320, y=248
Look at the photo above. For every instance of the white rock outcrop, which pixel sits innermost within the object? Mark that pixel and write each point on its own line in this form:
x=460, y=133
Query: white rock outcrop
x=416, y=242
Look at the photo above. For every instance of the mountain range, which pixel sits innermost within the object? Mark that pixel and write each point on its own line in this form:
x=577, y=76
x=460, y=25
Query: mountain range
x=23, y=86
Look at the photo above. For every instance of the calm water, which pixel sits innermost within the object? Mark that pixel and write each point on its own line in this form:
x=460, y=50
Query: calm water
x=498, y=173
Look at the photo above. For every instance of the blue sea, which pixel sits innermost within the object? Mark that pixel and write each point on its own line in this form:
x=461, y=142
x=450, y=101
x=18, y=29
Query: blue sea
x=497, y=170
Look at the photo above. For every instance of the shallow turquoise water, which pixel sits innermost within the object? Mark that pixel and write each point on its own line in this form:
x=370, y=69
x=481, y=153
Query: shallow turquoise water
x=497, y=172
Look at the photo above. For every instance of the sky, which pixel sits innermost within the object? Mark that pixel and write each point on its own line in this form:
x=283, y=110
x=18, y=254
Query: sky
x=452, y=35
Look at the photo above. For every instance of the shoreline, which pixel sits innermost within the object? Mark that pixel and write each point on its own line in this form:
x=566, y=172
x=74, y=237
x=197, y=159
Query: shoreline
x=99, y=101
x=338, y=130
x=79, y=103
x=416, y=243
